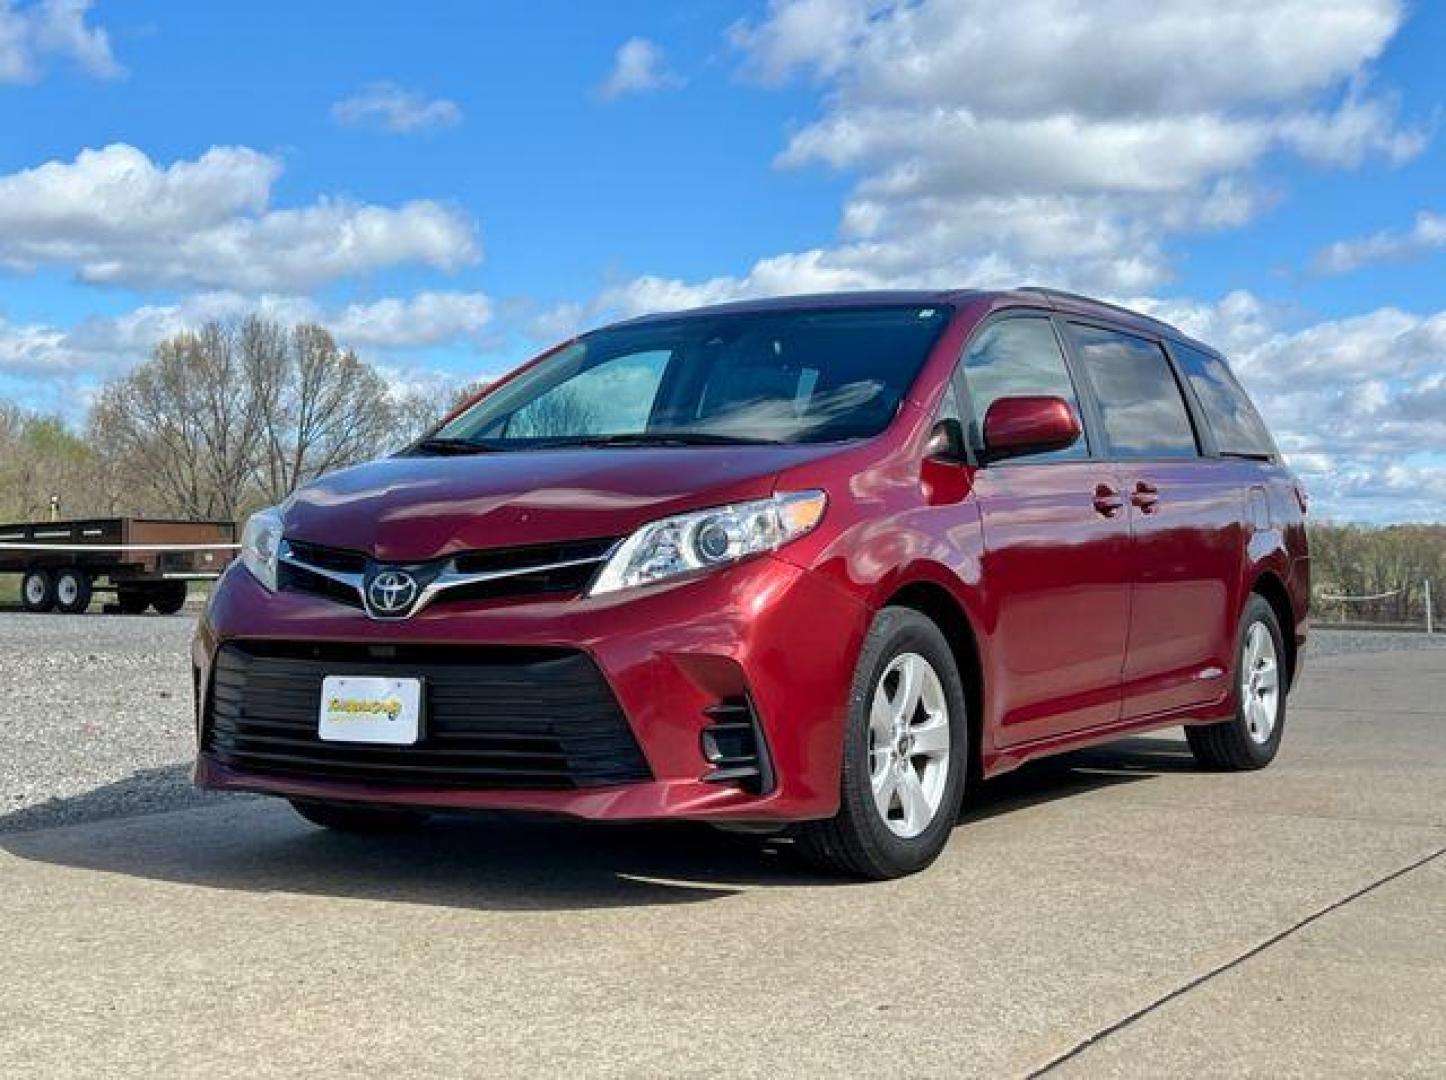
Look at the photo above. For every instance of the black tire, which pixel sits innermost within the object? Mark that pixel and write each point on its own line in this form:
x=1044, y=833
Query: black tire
x=858, y=841
x=349, y=818
x=132, y=599
x=37, y=591
x=1229, y=745
x=73, y=590
x=168, y=598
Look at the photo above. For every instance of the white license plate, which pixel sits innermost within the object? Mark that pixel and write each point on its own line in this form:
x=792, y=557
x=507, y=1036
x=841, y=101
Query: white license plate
x=368, y=709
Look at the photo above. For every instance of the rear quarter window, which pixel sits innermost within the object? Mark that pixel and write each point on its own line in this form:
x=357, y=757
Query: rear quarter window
x=1236, y=426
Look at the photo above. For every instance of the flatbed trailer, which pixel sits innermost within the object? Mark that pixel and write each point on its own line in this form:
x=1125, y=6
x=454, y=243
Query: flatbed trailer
x=146, y=562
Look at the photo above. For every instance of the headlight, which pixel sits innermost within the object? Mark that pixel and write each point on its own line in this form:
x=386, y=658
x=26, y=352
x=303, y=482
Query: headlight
x=709, y=538
x=260, y=544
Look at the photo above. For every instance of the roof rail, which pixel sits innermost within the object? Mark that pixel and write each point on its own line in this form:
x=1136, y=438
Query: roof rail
x=1061, y=294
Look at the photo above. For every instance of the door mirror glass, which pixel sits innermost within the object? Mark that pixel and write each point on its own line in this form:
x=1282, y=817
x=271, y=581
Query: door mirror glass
x=1029, y=425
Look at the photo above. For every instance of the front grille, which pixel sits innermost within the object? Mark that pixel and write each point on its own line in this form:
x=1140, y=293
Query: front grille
x=503, y=717
x=531, y=570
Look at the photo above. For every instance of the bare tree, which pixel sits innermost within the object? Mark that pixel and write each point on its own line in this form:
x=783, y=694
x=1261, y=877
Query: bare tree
x=323, y=408
x=188, y=421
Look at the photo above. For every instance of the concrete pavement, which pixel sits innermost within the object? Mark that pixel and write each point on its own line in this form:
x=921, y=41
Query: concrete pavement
x=1114, y=912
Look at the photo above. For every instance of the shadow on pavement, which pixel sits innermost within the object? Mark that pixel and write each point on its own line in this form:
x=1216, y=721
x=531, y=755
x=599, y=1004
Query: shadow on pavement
x=485, y=861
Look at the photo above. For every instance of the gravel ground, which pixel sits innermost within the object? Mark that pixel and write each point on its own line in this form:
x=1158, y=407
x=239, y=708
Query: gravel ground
x=96, y=715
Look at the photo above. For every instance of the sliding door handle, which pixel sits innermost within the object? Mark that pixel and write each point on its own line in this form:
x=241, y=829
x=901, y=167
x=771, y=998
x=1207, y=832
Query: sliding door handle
x=1107, y=500
x=1146, y=496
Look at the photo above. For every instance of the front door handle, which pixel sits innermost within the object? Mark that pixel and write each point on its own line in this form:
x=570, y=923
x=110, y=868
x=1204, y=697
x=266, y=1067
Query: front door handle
x=1146, y=496
x=1107, y=500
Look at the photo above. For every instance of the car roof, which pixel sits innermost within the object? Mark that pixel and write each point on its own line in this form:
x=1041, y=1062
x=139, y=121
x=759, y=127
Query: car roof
x=1032, y=295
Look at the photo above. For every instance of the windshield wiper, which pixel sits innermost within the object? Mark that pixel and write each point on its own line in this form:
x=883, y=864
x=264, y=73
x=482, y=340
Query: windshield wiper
x=667, y=438
x=448, y=447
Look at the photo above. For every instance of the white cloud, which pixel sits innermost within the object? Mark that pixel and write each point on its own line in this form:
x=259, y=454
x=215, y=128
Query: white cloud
x=389, y=107
x=1138, y=120
x=638, y=68
x=32, y=33
x=117, y=217
x=428, y=318
x=1426, y=235
x=1358, y=404
x=101, y=346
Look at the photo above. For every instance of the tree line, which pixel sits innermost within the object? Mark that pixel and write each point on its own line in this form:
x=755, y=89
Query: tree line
x=1361, y=561
x=216, y=423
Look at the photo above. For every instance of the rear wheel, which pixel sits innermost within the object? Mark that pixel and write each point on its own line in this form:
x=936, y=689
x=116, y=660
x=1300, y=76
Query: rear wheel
x=1252, y=738
x=905, y=755
x=346, y=817
x=168, y=598
x=72, y=591
x=37, y=590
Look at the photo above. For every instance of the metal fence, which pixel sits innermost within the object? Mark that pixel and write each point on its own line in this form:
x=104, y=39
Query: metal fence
x=1410, y=606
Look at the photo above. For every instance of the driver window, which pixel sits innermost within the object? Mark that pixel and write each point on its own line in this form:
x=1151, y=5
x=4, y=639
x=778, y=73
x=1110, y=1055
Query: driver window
x=1018, y=357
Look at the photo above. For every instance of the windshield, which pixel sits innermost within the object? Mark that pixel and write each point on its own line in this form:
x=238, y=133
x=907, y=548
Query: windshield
x=787, y=377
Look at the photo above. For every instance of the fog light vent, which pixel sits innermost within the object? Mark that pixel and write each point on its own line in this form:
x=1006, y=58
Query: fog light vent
x=733, y=744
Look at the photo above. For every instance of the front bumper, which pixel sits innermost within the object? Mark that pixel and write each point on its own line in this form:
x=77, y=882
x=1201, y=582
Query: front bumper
x=672, y=656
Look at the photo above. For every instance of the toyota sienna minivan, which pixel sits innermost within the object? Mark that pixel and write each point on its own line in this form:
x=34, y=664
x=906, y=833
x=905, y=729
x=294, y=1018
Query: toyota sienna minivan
x=814, y=564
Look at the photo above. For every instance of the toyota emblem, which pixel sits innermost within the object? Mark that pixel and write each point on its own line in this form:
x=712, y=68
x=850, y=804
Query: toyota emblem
x=392, y=592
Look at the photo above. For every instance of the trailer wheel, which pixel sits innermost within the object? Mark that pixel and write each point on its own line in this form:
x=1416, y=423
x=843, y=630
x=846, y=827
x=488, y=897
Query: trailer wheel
x=72, y=591
x=37, y=591
x=169, y=597
x=132, y=599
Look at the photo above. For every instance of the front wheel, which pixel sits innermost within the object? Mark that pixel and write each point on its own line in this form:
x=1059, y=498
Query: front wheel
x=1252, y=739
x=346, y=817
x=906, y=751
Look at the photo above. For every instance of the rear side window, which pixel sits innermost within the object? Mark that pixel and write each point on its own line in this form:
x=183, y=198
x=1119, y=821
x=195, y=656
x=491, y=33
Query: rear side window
x=1233, y=421
x=1014, y=358
x=1144, y=414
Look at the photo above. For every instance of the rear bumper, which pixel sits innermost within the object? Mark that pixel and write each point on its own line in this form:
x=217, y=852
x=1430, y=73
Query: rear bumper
x=672, y=657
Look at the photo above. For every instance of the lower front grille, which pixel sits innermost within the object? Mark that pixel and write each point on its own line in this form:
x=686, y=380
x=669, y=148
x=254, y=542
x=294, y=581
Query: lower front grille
x=502, y=717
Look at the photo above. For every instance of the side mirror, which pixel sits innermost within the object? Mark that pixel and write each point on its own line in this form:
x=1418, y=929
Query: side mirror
x=946, y=441
x=1029, y=425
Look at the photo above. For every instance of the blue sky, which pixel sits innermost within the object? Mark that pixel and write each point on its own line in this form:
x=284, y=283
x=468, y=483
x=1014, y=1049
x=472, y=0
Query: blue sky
x=449, y=187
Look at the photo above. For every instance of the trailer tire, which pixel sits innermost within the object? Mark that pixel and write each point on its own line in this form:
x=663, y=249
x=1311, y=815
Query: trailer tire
x=72, y=591
x=132, y=599
x=169, y=597
x=37, y=591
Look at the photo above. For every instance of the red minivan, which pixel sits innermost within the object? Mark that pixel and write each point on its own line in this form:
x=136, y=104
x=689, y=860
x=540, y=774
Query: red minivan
x=815, y=563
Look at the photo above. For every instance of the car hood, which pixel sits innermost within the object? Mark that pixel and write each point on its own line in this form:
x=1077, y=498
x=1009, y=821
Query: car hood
x=407, y=509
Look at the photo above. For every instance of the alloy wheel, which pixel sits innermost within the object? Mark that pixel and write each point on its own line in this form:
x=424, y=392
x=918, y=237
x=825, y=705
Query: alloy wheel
x=1259, y=683
x=908, y=745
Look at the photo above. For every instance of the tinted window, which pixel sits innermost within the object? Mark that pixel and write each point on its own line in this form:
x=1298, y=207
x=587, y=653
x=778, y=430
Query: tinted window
x=1018, y=357
x=1236, y=425
x=1144, y=414
x=792, y=376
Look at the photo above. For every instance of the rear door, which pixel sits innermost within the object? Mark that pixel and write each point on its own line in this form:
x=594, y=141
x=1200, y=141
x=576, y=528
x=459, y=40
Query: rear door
x=1185, y=517
x=1057, y=551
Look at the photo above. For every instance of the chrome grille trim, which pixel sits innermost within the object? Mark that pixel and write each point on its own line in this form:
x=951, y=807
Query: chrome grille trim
x=448, y=578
